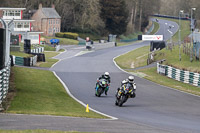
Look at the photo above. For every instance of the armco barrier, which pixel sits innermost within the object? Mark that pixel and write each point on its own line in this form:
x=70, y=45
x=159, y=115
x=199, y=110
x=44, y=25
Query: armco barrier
x=172, y=17
x=129, y=40
x=179, y=75
x=4, y=82
x=103, y=45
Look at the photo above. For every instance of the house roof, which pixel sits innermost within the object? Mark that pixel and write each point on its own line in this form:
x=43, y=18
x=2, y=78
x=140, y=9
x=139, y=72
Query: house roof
x=50, y=13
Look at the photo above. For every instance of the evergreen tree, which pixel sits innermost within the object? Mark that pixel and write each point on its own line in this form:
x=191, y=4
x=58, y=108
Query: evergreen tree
x=114, y=15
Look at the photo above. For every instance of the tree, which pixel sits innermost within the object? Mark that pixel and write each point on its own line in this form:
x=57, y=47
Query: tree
x=114, y=15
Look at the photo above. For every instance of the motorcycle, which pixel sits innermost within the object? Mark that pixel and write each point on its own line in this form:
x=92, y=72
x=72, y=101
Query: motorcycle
x=126, y=91
x=100, y=87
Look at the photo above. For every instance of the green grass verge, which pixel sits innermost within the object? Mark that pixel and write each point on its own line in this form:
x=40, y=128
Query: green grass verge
x=172, y=59
x=152, y=75
x=133, y=59
x=49, y=61
x=92, y=36
x=40, y=92
x=156, y=27
x=37, y=131
x=20, y=54
x=64, y=41
x=49, y=48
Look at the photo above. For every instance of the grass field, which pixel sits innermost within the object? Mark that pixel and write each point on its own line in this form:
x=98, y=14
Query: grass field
x=40, y=92
x=172, y=59
x=49, y=61
x=152, y=75
x=156, y=28
x=133, y=59
x=20, y=54
x=63, y=41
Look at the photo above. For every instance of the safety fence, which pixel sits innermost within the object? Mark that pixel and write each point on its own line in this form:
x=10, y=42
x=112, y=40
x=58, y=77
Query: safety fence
x=172, y=17
x=179, y=75
x=4, y=82
x=128, y=40
x=22, y=61
x=37, y=50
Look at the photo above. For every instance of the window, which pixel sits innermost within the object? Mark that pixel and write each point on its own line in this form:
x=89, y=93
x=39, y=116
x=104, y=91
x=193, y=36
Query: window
x=12, y=13
x=26, y=25
x=4, y=13
x=49, y=22
x=19, y=25
x=50, y=30
x=54, y=21
x=17, y=13
x=33, y=37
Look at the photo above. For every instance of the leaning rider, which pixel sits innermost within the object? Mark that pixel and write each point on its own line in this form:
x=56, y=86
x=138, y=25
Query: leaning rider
x=130, y=81
x=106, y=76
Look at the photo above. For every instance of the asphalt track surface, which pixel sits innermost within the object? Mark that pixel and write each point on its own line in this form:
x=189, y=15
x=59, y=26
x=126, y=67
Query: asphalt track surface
x=155, y=109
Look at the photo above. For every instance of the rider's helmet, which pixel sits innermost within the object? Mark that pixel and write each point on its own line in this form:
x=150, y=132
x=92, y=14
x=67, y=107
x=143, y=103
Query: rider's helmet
x=106, y=75
x=131, y=79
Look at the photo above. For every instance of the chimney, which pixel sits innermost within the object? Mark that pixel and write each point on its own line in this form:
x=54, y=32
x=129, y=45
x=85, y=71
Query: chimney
x=40, y=6
x=53, y=6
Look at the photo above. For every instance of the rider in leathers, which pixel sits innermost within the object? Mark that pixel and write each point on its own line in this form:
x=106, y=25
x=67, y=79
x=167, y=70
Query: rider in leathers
x=106, y=76
x=130, y=81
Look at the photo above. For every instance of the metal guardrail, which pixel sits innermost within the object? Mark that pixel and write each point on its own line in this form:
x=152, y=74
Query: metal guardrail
x=129, y=40
x=179, y=75
x=4, y=82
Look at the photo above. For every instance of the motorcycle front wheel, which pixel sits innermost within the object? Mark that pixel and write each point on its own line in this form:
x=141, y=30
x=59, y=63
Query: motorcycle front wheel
x=121, y=100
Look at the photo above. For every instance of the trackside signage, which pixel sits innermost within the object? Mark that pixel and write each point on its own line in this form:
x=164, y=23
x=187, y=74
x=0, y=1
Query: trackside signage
x=152, y=37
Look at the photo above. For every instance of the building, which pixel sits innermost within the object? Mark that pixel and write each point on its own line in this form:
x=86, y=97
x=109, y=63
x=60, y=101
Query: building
x=23, y=27
x=47, y=20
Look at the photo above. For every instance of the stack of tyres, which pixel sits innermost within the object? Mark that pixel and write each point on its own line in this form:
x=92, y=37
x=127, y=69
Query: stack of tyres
x=27, y=46
x=2, y=47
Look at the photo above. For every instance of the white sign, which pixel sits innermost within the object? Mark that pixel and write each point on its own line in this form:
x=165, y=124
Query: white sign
x=152, y=37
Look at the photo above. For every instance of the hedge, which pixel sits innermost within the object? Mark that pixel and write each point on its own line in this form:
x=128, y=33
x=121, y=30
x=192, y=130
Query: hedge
x=69, y=35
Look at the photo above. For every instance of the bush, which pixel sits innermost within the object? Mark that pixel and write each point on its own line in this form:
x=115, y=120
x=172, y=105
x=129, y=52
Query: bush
x=60, y=34
x=69, y=35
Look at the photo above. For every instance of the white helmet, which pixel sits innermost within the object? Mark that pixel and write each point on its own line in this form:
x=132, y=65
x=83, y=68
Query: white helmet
x=131, y=79
x=106, y=74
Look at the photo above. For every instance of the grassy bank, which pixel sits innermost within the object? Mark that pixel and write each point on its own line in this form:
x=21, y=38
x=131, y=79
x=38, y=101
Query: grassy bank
x=40, y=92
x=172, y=59
x=133, y=59
x=156, y=28
x=49, y=61
x=20, y=54
x=63, y=41
x=152, y=75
